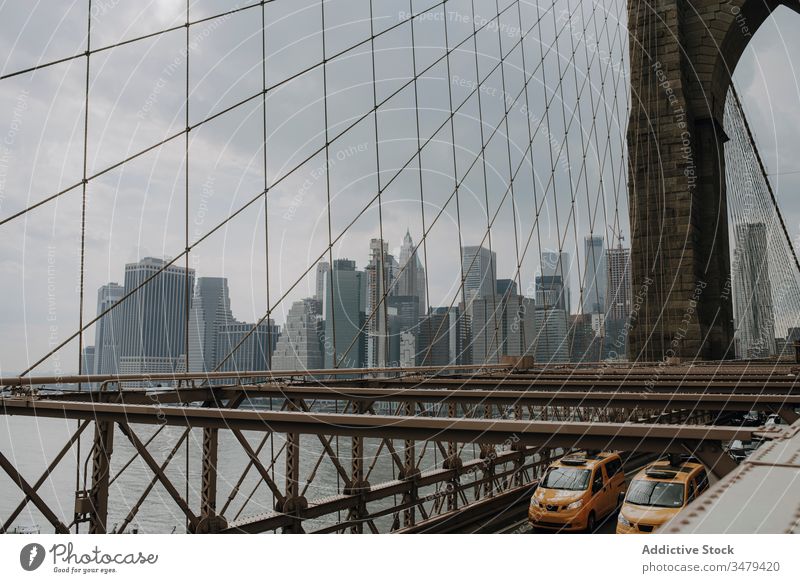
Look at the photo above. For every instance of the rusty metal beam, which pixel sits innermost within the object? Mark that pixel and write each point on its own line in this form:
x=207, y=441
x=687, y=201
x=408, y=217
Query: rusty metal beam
x=153, y=481
x=769, y=474
x=45, y=475
x=626, y=437
x=791, y=386
x=31, y=493
x=251, y=454
x=272, y=521
x=101, y=473
x=293, y=504
x=765, y=401
x=156, y=469
x=209, y=521
x=30, y=380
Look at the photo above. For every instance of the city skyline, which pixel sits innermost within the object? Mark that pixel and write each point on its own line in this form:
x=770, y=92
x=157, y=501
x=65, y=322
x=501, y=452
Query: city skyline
x=382, y=319
x=382, y=338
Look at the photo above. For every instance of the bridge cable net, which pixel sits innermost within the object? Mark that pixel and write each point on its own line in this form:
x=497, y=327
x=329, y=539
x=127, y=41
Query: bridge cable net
x=765, y=273
x=467, y=123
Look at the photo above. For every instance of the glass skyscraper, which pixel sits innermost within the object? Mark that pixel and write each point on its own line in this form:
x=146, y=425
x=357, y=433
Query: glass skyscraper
x=152, y=336
x=595, y=281
x=752, y=293
x=211, y=309
x=107, y=330
x=345, y=306
x=479, y=266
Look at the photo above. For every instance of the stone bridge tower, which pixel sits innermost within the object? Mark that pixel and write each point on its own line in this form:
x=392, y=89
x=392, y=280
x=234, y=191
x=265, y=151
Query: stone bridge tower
x=683, y=53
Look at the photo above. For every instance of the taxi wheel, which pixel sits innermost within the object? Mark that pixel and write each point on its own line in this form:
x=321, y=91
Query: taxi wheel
x=590, y=523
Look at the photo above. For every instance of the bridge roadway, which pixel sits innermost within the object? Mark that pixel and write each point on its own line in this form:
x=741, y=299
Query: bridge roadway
x=608, y=525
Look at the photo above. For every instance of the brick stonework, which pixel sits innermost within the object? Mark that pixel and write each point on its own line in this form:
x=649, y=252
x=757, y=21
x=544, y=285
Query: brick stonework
x=683, y=53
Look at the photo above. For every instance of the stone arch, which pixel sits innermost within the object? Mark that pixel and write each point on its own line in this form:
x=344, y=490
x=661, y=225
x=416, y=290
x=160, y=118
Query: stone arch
x=731, y=26
x=683, y=54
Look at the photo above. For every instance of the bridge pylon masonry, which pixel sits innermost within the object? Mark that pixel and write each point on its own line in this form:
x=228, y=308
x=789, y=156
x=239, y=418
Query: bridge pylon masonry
x=682, y=56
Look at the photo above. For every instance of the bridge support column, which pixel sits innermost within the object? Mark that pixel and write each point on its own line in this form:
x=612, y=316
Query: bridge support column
x=101, y=473
x=358, y=485
x=293, y=503
x=678, y=204
x=410, y=472
x=209, y=521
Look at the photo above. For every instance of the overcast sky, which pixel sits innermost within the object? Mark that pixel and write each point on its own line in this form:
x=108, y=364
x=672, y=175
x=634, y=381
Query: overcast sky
x=137, y=99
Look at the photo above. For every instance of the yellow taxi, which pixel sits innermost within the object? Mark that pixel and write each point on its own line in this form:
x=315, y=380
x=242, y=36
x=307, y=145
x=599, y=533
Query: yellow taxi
x=577, y=492
x=658, y=492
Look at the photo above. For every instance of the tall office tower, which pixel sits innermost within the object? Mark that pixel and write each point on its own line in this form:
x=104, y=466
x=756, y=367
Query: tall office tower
x=211, y=308
x=345, y=306
x=486, y=316
x=585, y=344
x=107, y=330
x=550, y=292
x=403, y=312
x=752, y=293
x=152, y=336
x=519, y=326
x=87, y=364
x=242, y=348
x=300, y=345
x=408, y=349
x=460, y=336
x=433, y=340
x=380, y=274
x=323, y=267
x=411, y=274
x=619, y=283
x=551, y=342
x=87, y=360
x=556, y=263
x=479, y=266
x=506, y=288
x=595, y=280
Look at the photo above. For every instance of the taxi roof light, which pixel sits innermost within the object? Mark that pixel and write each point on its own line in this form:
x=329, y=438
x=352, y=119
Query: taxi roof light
x=573, y=460
x=655, y=472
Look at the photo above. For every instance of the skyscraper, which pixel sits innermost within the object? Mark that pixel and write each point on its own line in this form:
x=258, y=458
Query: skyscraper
x=619, y=283
x=152, y=336
x=411, y=274
x=107, y=330
x=615, y=343
x=486, y=316
x=380, y=274
x=550, y=292
x=556, y=263
x=345, y=305
x=506, y=288
x=752, y=293
x=244, y=347
x=403, y=312
x=300, y=345
x=87, y=360
x=479, y=266
x=211, y=309
x=551, y=343
x=433, y=340
x=323, y=267
x=519, y=326
x=444, y=337
x=595, y=280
